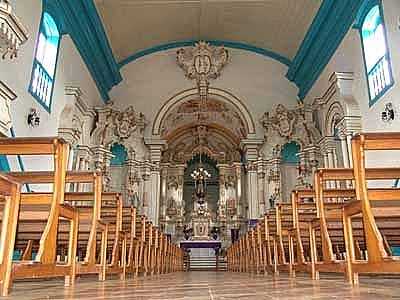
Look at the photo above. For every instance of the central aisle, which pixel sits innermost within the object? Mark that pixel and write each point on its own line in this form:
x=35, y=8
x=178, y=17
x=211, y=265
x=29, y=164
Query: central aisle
x=210, y=286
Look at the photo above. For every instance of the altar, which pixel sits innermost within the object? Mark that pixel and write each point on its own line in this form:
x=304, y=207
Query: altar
x=200, y=245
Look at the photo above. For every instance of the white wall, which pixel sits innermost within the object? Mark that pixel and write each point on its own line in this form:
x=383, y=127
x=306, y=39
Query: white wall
x=71, y=70
x=349, y=58
x=258, y=81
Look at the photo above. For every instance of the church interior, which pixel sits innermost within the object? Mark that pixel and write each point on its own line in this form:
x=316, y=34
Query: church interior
x=199, y=149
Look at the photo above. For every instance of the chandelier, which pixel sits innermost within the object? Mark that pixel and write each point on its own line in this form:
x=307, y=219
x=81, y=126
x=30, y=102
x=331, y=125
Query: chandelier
x=200, y=175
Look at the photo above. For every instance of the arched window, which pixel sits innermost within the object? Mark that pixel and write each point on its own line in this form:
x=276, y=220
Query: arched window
x=44, y=65
x=120, y=155
x=376, y=53
x=290, y=153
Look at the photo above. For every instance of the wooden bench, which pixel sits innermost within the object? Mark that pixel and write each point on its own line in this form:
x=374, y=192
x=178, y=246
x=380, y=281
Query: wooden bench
x=372, y=204
x=45, y=264
x=10, y=198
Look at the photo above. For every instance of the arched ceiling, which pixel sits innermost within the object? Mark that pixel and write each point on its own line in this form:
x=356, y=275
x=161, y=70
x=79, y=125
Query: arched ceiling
x=276, y=25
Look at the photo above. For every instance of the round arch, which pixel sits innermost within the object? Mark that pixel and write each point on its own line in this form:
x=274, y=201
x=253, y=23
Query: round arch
x=335, y=113
x=219, y=94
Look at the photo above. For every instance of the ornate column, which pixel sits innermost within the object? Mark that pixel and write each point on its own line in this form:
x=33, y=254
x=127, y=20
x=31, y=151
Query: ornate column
x=6, y=97
x=164, y=200
x=314, y=156
x=102, y=160
x=223, y=170
x=146, y=172
x=156, y=146
x=261, y=185
x=238, y=177
x=274, y=179
x=154, y=212
x=250, y=148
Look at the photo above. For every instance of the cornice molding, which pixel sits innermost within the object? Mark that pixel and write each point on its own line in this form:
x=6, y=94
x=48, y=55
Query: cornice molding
x=81, y=21
x=190, y=43
x=324, y=36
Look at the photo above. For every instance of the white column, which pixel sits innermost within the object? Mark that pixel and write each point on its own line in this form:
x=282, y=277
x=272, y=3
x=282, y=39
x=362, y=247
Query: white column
x=345, y=151
x=146, y=191
x=349, y=148
x=252, y=192
x=261, y=192
x=238, y=175
x=163, y=200
x=154, y=207
x=156, y=146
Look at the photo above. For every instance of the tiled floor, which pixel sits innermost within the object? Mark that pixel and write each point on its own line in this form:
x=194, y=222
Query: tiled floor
x=213, y=286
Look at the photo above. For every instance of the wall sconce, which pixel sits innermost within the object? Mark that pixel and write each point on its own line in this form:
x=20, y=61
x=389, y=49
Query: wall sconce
x=33, y=118
x=388, y=113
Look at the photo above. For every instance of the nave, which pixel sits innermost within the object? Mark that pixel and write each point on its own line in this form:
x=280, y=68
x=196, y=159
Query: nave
x=212, y=286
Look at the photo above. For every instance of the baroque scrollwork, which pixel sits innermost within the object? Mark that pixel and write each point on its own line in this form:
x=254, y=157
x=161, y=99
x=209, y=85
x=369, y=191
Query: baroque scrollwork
x=282, y=121
x=120, y=124
x=202, y=63
x=288, y=125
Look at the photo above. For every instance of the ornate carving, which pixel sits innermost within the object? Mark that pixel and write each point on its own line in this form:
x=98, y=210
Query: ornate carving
x=12, y=33
x=117, y=124
x=282, y=121
x=125, y=122
x=6, y=96
x=202, y=63
x=171, y=209
x=288, y=125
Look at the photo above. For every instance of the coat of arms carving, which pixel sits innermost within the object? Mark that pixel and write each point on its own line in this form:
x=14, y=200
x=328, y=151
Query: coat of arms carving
x=282, y=121
x=202, y=63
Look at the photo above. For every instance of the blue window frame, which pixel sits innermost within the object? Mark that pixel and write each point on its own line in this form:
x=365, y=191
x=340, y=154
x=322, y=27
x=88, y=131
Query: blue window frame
x=44, y=65
x=376, y=53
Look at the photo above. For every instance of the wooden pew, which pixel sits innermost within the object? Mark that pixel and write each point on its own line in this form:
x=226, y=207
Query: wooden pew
x=112, y=215
x=45, y=264
x=330, y=203
x=99, y=212
x=385, y=201
x=10, y=199
x=304, y=210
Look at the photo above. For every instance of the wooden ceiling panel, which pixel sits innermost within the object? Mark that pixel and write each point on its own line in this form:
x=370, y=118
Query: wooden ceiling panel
x=276, y=25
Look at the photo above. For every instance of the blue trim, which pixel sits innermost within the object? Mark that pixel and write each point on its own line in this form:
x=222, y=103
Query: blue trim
x=81, y=21
x=20, y=162
x=187, y=43
x=362, y=14
x=4, y=165
x=329, y=27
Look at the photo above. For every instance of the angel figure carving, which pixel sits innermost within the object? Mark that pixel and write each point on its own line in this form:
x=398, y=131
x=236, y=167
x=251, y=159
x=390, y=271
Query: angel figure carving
x=125, y=123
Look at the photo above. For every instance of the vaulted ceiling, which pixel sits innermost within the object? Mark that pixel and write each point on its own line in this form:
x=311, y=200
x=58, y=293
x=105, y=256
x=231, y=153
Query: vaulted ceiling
x=276, y=25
